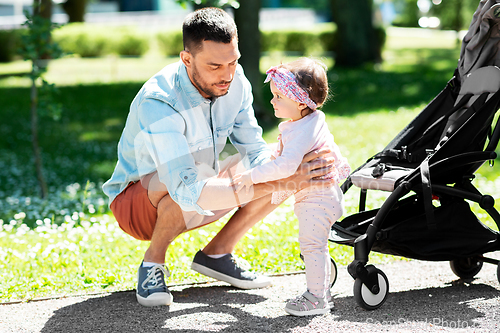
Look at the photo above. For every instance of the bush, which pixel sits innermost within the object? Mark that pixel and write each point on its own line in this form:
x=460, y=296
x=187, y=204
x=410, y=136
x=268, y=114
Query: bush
x=130, y=43
x=84, y=40
x=328, y=40
x=170, y=43
x=321, y=40
x=273, y=41
x=303, y=42
x=93, y=41
x=10, y=41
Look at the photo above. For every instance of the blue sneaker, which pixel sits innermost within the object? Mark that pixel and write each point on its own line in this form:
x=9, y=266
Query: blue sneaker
x=151, y=287
x=228, y=269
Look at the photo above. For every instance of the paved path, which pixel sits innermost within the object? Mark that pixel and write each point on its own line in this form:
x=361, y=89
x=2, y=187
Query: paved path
x=424, y=297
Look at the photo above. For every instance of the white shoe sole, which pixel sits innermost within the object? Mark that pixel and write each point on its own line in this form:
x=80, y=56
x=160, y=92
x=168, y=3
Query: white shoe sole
x=260, y=282
x=307, y=313
x=155, y=299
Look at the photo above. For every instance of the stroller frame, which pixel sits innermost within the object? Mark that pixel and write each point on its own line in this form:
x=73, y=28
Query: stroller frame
x=435, y=157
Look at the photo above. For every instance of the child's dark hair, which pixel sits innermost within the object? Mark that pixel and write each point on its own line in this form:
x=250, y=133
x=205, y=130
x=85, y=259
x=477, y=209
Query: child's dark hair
x=311, y=76
x=209, y=23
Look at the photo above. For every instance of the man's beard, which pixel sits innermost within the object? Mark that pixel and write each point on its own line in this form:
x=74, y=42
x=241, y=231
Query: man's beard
x=206, y=88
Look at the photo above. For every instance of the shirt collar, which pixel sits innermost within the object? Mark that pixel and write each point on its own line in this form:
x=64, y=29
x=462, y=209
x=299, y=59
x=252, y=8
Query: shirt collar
x=193, y=95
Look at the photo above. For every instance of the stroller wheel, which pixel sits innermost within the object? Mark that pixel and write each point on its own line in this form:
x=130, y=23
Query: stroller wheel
x=368, y=300
x=466, y=268
x=333, y=273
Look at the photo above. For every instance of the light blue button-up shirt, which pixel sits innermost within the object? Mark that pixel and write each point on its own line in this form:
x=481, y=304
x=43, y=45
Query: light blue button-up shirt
x=174, y=130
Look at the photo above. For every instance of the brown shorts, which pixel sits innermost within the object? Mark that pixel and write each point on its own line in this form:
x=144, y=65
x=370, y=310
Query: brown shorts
x=136, y=215
x=133, y=211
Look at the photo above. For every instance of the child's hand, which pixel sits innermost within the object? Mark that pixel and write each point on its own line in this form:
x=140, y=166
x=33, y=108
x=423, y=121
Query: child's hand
x=243, y=180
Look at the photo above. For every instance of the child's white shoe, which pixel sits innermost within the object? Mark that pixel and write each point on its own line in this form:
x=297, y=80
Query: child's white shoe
x=307, y=305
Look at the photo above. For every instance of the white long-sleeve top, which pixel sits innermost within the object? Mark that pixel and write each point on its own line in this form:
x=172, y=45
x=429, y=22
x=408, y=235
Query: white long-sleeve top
x=299, y=138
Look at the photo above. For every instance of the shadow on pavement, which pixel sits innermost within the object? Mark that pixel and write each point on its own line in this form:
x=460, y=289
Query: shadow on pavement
x=452, y=306
x=197, y=309
x=225, y=309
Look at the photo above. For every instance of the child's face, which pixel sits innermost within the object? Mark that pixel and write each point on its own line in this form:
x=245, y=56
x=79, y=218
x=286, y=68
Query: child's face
x=284, y=107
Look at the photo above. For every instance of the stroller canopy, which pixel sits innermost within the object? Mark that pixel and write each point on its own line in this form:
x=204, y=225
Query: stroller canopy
x=480, y=46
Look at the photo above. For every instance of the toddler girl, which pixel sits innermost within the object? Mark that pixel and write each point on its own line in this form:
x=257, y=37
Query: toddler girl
x=298, y=89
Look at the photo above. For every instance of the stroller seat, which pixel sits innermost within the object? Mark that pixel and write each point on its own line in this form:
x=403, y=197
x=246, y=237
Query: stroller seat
x=385, y=176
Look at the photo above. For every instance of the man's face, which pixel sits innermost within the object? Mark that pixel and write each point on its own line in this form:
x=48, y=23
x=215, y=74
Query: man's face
x=211, y=69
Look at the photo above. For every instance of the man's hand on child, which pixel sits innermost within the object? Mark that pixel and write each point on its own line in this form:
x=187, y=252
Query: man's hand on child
x=243, y=180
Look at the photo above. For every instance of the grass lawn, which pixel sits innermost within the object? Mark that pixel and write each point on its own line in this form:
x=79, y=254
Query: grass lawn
x=70, y=244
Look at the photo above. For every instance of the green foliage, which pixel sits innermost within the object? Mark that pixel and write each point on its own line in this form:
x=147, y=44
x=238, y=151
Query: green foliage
x=10, y=41
x=303, y=42
x=38, y=46
x=328, y=40
x=37, y=43
x=455, y=14
x=320, y=41
x=170, y=42
x=131, y=43
x=84, y=40
x=408, y=13
x=88, y=40
x=273, y=40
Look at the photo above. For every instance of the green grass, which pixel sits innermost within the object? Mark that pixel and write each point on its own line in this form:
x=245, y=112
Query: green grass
x=70, y=243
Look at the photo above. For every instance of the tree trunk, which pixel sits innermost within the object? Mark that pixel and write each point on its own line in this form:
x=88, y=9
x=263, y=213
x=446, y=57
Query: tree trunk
x=34, y=141
x=247, y=21
x=43, y=8
x=355, y=33
x=75, y=10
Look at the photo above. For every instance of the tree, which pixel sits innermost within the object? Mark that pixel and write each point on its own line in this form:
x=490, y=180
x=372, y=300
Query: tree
x=454, y=14
x=44, y=8
x=246, y=18
x=75, y=10
x=38, y=47
x=408, y=13
x=356, y=36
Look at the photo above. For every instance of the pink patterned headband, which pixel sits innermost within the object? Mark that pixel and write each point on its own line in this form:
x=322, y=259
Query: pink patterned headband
x=287, y=84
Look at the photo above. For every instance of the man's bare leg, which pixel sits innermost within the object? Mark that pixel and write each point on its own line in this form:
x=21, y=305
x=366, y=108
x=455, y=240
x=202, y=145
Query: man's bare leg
x=169, y=221
x=239, y=224
x=224, y=268
x=170, y=224
x=151, y=286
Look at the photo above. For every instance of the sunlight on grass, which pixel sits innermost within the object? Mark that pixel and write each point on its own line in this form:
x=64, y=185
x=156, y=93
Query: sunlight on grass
x=72, y=70
x=412, y=38
x=96, y=135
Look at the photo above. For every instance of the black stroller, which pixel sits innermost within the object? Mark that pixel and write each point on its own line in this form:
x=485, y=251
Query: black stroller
x=429, y=167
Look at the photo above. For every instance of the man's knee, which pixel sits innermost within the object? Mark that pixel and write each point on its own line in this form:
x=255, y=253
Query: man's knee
x=156, y=189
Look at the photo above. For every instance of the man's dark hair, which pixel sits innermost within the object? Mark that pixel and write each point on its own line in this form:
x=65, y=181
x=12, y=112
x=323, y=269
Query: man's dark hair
x=209, y=23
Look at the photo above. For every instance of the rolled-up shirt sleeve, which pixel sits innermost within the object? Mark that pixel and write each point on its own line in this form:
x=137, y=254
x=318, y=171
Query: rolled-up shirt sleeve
x=162, y=145
x=287, y=163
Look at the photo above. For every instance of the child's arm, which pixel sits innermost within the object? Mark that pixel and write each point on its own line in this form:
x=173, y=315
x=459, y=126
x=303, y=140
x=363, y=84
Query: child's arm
x=286, y=164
